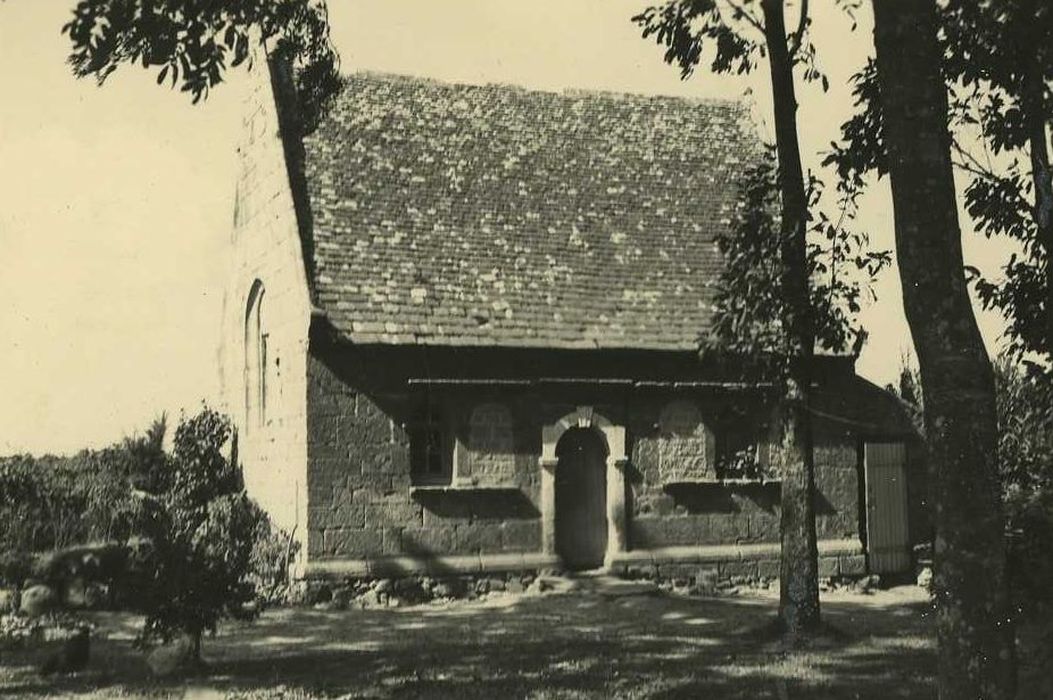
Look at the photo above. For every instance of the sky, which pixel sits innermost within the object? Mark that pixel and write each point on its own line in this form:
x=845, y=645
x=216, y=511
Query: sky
x=116, y=202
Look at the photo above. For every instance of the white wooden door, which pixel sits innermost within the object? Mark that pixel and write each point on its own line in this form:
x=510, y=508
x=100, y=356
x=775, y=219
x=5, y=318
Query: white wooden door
x=888, y=546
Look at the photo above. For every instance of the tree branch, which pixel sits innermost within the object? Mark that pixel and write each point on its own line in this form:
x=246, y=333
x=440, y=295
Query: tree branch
x=973, y=166
x=798, y=36
x=757, y=24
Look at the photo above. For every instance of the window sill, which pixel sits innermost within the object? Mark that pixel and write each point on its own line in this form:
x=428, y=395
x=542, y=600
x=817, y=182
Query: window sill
x=457, y=488
x=721, y=482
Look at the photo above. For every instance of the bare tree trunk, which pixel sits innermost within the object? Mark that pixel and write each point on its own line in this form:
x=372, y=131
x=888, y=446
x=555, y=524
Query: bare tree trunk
x=1042, y=181
x=799, y=578
x=976, y=657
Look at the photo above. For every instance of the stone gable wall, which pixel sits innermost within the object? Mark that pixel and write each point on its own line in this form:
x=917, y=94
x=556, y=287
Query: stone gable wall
x=265, y=245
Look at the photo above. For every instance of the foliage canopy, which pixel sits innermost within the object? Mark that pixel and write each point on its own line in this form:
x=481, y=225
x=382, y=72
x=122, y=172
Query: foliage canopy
x=193, y=44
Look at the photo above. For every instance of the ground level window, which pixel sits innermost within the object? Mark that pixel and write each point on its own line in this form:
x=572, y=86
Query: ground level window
x=737, y=447
x=430, y=461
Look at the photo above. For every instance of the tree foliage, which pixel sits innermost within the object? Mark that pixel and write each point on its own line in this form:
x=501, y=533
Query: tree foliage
x=998, y=65
x=193, y=44
x=841, y=270
x=53, y=502
x=202, y=528
x=751, y=309
x=731, y=32
x=1025, y=442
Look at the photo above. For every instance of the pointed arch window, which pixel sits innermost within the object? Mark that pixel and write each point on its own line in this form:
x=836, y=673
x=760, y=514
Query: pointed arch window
x=255, y=358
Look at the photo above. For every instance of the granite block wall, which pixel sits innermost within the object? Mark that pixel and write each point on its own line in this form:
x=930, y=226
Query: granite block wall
x=363, y=504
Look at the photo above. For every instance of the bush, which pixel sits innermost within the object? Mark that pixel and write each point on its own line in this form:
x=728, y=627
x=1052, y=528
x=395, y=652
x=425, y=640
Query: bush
x=273, y=551
x=1025, y=408
x=15, y=567
x=202, y=528
x=54, y=502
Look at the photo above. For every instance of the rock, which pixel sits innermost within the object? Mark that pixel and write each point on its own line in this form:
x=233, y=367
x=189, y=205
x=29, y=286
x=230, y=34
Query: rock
x=408, y=587
x=925, y=577
x=868, y=583
x=497, y=584
x=172, y=658
x=705, y=582
x=74, y=594
x=8, y=600
x=342, y=597
x=369, y=599
x=449, y=588
x=96, y=596
x=515, y=586
x=38, y=600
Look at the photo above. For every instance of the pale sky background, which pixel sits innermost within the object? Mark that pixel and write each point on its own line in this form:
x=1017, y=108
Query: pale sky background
x=115, y=203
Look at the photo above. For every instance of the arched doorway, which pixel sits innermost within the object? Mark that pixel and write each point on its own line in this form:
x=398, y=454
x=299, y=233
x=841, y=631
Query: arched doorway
x=581, y=499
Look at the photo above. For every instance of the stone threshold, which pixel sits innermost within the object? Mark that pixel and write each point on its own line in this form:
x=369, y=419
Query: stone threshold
x=727, y=552
x=432, y=565
x=451, y=565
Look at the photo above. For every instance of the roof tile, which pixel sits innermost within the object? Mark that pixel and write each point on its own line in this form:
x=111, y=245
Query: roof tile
x=493, y=215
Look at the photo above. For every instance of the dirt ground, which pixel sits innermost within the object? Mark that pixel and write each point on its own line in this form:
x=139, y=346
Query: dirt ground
x=571, y=644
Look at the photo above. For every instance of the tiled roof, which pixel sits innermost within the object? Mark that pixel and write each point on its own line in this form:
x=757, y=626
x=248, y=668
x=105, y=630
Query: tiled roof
x=492, y=215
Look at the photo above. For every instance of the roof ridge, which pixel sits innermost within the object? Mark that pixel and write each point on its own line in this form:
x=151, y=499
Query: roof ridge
x=390, y=76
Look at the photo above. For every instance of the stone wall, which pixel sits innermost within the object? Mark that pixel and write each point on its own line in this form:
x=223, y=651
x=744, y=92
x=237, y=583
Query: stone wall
x=265, y=248
x=364, y=506
x=669, y=513
x=366, y=515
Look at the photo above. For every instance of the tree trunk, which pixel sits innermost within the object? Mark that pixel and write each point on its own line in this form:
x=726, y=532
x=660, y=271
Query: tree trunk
x=799, y=577
x=976, y=658
x=1041, y=180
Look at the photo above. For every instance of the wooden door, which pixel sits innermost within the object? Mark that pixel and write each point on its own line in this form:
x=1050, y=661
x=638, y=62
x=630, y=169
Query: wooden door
x=581, y=499
x=888, y=544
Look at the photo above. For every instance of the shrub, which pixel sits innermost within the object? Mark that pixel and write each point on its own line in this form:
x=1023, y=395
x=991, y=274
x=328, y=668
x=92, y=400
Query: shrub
x=54, y=502
x=273, y=550
x=1025, y=408
x=15, y=567
x=202, y=530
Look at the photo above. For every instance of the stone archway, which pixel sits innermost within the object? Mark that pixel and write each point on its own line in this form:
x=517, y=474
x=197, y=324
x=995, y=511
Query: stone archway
x=581, y=499
x=613, y=437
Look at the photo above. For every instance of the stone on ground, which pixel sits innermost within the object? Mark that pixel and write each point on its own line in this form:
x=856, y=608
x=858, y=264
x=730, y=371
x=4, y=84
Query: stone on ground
x=169, y=659
x=38, y=600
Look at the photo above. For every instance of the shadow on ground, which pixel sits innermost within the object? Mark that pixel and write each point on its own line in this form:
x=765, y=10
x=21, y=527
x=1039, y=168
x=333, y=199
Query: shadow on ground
x=569, y=645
